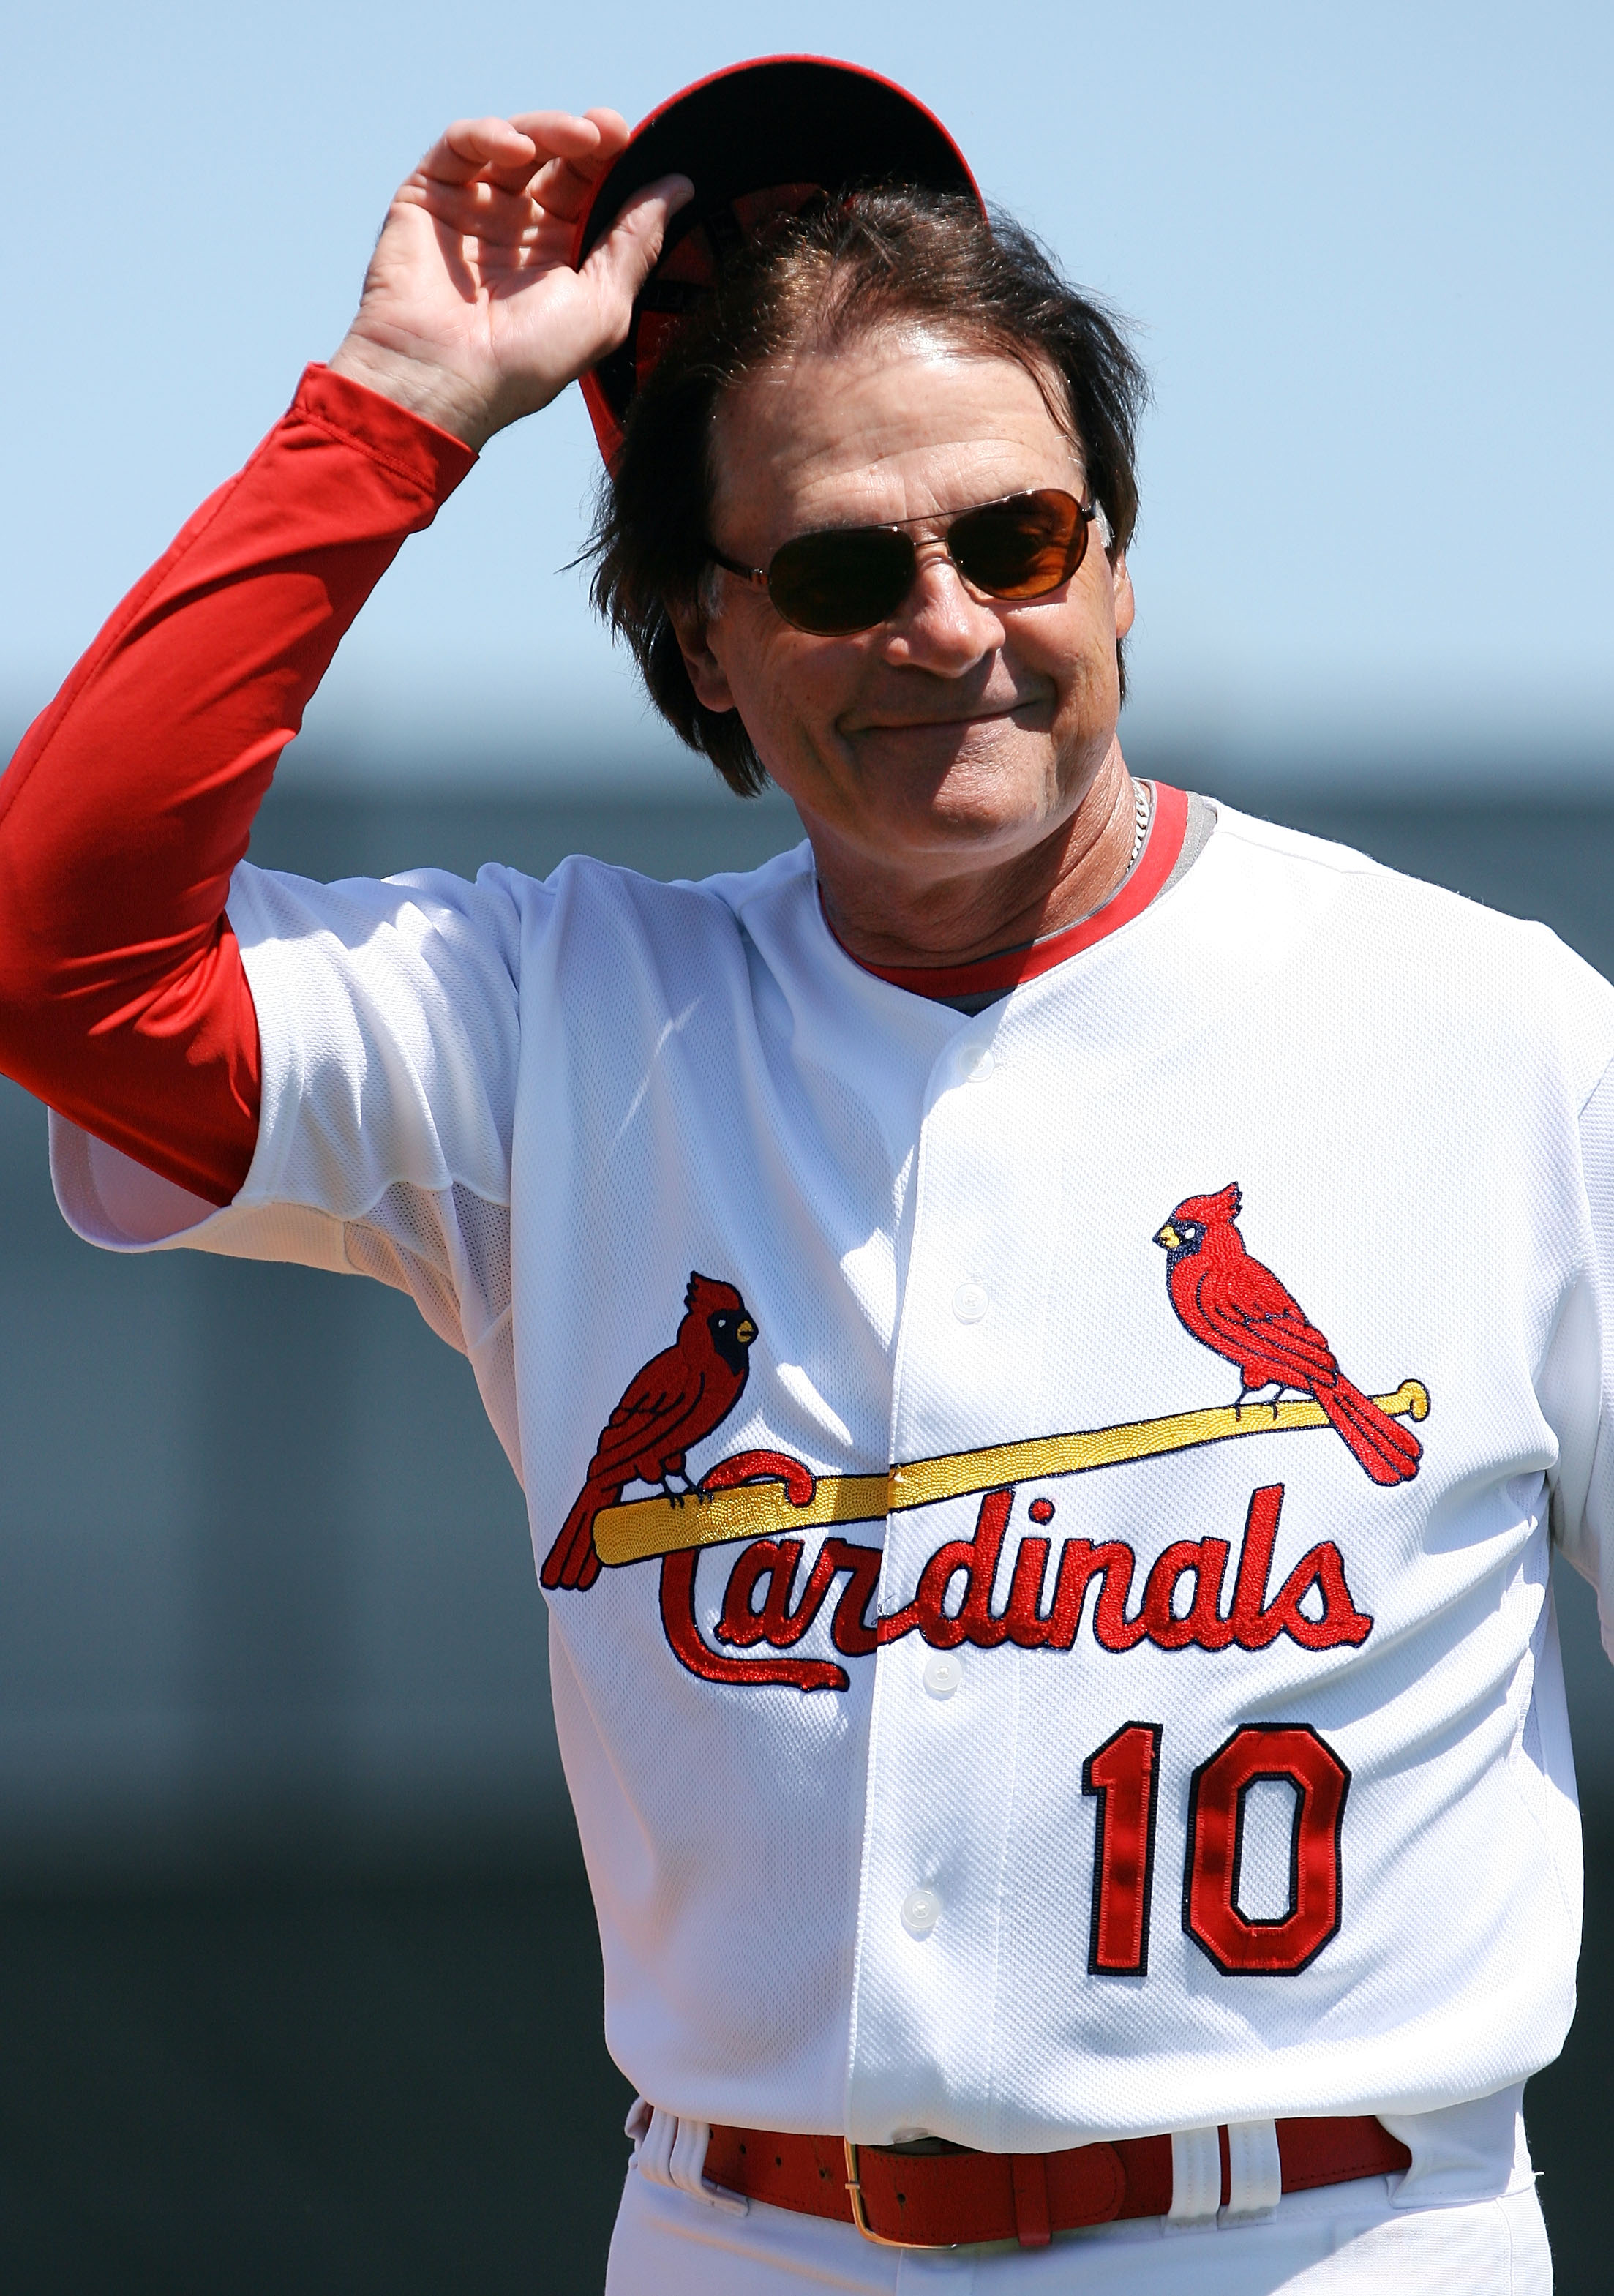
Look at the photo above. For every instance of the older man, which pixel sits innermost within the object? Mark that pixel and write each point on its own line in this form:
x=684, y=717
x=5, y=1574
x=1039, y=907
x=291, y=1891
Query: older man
x=1069, y=1776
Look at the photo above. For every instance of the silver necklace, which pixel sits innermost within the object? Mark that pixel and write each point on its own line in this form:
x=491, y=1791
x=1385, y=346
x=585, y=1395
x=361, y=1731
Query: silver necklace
x=1141, y=811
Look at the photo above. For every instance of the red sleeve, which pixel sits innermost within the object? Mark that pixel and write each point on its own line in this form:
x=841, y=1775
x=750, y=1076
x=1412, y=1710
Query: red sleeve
x=123, y=1000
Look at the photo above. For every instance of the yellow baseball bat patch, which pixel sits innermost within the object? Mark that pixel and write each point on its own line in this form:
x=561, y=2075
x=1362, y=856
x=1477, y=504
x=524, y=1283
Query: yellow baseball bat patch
x=643, y=1529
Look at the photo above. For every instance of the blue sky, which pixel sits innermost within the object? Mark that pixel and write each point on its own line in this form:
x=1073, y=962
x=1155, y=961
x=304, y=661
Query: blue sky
x=1367, y=250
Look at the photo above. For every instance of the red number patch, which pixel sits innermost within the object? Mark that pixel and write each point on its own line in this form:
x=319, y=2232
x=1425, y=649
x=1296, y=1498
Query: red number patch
x=1125, y=1773
x=1293, y=1754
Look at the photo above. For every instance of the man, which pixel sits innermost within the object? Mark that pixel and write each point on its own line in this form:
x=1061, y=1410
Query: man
x=1043, y=1332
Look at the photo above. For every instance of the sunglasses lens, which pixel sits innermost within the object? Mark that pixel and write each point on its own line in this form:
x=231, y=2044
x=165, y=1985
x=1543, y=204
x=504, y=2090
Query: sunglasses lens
x=836, y=583
x=1021, y=548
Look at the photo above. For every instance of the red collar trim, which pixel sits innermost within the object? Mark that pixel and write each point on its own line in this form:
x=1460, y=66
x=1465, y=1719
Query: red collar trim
x=1168, y=828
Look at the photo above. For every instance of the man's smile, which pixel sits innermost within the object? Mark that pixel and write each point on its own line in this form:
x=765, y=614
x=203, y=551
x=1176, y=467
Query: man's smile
x=1020, y=711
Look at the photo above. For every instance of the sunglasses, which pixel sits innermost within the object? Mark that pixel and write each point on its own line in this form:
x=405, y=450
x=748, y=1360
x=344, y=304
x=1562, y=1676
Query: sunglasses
x=851, y=577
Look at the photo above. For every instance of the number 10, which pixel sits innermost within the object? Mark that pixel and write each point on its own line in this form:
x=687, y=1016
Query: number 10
x=1123, y=1774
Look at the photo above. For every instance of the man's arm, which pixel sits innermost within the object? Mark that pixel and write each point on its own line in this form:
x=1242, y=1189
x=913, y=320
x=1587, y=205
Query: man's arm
x=123, y=1001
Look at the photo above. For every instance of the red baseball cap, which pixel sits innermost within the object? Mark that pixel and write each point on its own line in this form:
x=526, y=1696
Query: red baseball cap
x=753, y=139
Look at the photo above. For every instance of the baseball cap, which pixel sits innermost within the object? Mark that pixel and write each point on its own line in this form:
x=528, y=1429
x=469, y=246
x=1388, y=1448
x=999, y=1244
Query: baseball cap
x=753, y=139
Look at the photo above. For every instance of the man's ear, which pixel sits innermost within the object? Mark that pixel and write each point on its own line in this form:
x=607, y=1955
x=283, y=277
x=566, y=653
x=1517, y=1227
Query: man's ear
x=1126, y=604
x=692, y=631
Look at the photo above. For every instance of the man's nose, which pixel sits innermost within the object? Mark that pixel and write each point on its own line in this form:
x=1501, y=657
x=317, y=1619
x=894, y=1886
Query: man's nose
x=941, y=625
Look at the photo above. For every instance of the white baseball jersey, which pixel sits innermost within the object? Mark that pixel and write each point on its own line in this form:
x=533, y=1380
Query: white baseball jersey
x=1029, y=1734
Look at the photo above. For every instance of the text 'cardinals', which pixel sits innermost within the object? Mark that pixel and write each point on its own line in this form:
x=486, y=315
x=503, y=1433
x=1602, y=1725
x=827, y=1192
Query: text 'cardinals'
x=1181, y=1608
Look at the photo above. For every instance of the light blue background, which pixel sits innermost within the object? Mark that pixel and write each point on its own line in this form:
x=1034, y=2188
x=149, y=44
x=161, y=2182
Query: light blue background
x=1366, y=249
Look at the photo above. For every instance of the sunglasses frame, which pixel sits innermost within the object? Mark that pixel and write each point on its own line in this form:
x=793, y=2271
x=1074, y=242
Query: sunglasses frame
x=760, y=577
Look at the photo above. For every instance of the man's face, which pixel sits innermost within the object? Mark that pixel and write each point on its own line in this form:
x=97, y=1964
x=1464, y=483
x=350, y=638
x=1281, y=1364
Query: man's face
x=963, y=730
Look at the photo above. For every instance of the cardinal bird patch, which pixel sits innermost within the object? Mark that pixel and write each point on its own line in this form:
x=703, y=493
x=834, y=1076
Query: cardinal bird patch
x=678, y=1397
x=1225, y=1299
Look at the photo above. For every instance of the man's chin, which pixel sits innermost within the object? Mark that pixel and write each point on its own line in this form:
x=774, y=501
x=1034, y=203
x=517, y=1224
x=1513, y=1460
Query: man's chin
x=960, y=826
x=1007, y=791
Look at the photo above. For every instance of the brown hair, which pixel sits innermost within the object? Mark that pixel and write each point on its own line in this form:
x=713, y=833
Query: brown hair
x=829, y=274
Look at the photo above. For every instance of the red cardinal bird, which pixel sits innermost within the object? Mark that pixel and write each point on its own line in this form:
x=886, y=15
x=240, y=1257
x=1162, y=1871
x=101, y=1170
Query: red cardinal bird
x=1229, y=1302
x=681, y=1395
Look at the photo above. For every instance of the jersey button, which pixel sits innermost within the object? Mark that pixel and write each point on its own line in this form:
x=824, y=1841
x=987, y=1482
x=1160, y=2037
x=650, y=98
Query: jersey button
x=975, y=1063
x=942, y=1673
x=920, y=1911
x=970, y=1302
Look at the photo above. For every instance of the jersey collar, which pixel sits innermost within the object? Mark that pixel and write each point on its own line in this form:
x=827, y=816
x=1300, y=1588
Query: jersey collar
x=995, y=975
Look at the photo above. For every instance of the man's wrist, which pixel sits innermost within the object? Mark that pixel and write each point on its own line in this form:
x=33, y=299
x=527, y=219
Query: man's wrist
x=420, y=452
x=425, y=386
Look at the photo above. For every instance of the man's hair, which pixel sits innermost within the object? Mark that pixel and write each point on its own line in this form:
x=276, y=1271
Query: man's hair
x=829, y=275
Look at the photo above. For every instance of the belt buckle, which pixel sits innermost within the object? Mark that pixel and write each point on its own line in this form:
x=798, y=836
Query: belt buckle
x=860, y=2216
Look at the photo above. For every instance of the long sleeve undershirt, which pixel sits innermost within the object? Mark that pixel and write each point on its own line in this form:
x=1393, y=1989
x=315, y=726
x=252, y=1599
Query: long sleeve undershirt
x=123, y=1000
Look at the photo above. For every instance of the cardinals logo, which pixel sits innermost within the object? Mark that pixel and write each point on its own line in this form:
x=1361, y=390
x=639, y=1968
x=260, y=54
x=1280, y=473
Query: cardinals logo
x=769, y=1505
x=1225, y=1298
x=678, y=1397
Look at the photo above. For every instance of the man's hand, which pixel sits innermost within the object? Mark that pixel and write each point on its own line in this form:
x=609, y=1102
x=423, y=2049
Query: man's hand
x=472, y=312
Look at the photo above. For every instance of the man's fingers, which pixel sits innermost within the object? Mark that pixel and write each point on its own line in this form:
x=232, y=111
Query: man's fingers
x=546, y=129
x=477, y=210
x=566, y=185
x=467, y=146
x=564, y=139
x=556, y=157
x=509, y=152
x=625, y=258
x=563, y=188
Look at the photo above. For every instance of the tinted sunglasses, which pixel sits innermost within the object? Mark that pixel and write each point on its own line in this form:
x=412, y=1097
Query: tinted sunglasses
x=850, y=578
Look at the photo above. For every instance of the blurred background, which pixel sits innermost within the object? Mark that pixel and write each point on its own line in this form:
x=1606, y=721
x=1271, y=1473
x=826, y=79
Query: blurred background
x=298, y=1979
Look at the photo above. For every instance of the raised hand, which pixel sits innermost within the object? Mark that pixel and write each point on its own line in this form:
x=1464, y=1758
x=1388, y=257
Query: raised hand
x=472, y=312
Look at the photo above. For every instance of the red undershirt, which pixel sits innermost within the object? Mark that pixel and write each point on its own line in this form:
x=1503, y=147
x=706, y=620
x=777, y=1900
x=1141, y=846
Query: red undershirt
x=124, y=1003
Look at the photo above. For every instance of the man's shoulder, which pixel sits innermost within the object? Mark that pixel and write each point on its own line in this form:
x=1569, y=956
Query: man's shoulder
x=1447, y=954
x=1260, y=845
x=503, y=920
x=599, y=891
x=1261, y=851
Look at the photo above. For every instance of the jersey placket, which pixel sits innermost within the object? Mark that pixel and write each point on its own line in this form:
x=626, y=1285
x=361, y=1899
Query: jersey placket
x=943, y=1746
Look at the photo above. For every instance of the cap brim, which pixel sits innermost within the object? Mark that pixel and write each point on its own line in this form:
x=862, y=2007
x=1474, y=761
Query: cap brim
x=796, y=121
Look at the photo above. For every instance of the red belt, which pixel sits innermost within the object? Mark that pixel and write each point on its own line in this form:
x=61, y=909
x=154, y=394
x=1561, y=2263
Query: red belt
x=955, y=2198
